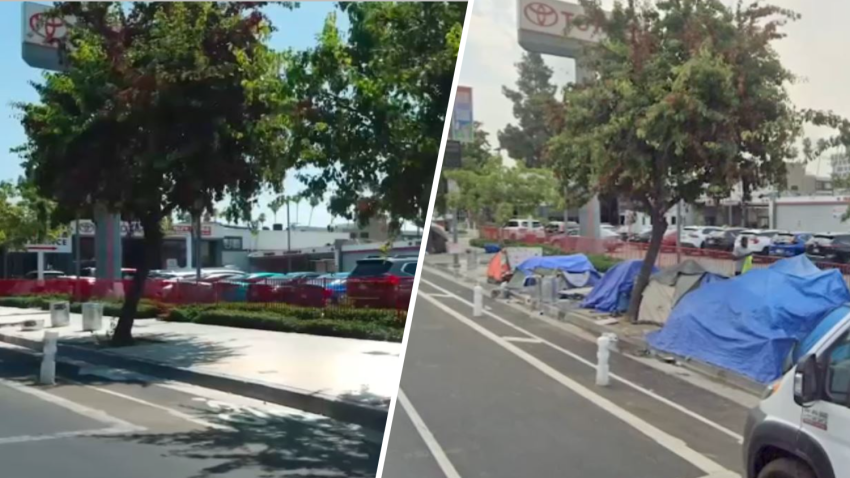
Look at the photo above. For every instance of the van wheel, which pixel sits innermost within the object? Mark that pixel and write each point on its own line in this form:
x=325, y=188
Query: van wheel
x=786, y=468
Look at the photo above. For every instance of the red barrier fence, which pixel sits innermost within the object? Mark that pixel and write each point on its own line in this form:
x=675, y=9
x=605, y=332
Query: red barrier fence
x=718, y=261
x=381, y=293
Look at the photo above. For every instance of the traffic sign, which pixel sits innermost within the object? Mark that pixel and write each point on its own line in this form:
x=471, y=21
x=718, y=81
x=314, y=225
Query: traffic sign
x=42, y=36
x=59, y=246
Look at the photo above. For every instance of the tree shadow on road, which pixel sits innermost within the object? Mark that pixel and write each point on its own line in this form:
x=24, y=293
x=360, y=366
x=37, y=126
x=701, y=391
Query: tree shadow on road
x=270, y=446
x=177, y=350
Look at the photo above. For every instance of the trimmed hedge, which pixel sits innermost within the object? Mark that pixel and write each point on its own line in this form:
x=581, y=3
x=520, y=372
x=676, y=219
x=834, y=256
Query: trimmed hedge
x=335, y=323
x=384, y=317
x=145, y=310
x=600, y=261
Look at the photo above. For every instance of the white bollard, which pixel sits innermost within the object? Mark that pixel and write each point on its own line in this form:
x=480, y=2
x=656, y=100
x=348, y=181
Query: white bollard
x=477, y=301
x=603, y=353
x=60, y=313
x=48, y=360
x=503, y=290
x=92, y=316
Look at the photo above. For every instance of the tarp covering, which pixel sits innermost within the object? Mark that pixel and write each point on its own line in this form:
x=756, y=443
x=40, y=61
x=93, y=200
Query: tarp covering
x=576, y=269
x=749, y=324
x=575, y=263
x=616, y=283
x=667, y=287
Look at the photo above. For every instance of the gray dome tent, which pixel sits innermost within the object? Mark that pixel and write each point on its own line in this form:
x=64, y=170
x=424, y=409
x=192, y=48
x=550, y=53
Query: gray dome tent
x=667, y=287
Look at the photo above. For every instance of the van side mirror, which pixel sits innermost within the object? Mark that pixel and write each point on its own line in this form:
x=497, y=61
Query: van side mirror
x=807, y=381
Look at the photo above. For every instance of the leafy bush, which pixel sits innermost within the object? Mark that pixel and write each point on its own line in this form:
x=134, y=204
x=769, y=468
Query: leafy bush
x=601, y=262
x=273, y=319
x=388, y=318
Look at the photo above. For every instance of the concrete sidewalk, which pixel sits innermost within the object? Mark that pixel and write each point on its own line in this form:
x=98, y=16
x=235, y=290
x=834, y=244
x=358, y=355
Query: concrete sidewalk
x=332, y=376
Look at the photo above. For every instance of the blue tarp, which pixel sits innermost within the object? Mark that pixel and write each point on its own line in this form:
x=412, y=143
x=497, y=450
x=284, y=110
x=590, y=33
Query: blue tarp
x=572, y=264
x=749, y=324
x=607, y=295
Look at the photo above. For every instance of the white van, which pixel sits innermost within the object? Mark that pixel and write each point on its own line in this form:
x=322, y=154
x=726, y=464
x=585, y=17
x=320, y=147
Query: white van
x=801, y=428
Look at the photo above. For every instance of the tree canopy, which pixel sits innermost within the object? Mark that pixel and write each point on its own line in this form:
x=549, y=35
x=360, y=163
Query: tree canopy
x=534, y=103
x=163, y=107
x=372, y=105
x=688, y=95
x=496, y=192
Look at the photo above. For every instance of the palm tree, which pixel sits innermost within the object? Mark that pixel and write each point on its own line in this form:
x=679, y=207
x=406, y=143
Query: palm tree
x=275, y=206
x=314, y=201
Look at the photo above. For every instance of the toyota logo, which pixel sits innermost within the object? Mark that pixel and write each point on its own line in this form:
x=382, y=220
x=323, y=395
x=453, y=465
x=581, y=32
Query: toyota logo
x=51, y=29
x=541, y=14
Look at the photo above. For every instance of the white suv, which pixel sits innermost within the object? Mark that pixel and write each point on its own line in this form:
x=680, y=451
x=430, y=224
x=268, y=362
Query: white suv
x=801, y=428
x=758, y=242
x=695, y=236
x=517, y=229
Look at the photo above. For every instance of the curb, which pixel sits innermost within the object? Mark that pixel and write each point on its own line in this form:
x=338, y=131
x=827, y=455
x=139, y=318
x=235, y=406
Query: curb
x=631, y=345
x=368, y=416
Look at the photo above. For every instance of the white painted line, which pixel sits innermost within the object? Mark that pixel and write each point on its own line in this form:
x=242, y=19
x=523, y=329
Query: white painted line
x=91, y=413
x=664, y=439
x=436, y=450
x=722, y=475
x=523, y=340
x=445, y=296
x=620, y=379
x=75, y=434
x=170, y=411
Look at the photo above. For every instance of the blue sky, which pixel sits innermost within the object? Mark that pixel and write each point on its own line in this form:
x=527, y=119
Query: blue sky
x=295, y=29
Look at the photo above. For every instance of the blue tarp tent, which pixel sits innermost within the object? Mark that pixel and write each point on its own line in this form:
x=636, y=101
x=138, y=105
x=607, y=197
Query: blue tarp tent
x=749, y=324
x=572, y=264
x=617, y=283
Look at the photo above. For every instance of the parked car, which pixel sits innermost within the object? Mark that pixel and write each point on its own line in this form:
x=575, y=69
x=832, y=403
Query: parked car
x=644, y=237
x=335, y=283
x=382, y=283
x=518, y=228
x=724, y=239
x=670, y=238
x=695, y=236
x=790, y=244
x=51, y=274
x=801, y=427
x=829, y=247
x=758, y=241
x=560, y=227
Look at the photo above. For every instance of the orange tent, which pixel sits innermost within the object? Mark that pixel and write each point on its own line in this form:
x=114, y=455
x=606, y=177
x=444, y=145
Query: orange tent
x=498, y=270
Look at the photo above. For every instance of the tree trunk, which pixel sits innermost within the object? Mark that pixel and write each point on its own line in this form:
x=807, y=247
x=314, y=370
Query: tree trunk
x=659, y=227
x=123, y=334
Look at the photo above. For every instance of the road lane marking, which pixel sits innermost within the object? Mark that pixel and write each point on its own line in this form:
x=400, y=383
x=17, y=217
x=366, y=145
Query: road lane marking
x=170, y=411
x=737, y=437
x=523, y=340
x=436, y=450
x=671, y=443
x=117, y=427
x=75, y=434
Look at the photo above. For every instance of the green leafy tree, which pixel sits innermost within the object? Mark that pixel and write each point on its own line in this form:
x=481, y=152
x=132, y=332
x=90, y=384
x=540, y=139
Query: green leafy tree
x=689, y=97
x=533, y=105
x=498, y=193
x=25, y=217
x=373, y=102
x=164, y=107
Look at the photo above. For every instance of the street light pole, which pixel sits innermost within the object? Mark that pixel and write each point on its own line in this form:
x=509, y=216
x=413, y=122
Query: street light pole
x=288, y=239
x=679, y=232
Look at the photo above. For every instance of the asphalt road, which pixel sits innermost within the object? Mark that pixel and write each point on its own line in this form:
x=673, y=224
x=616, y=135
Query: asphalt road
x=103, y=423
x=507, y=395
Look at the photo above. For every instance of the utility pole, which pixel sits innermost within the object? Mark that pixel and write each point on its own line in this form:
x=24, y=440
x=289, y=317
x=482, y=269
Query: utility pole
x=679, y=232
x=288, y=239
